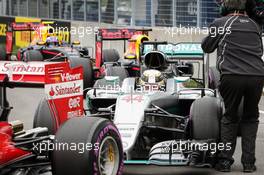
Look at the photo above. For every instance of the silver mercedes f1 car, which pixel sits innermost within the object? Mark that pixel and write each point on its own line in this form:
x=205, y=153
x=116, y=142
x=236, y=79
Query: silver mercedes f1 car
x=168, y=115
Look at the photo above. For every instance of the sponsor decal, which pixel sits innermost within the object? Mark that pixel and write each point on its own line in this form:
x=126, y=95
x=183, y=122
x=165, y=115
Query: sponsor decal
x=135, y=98
x=177, y=49
x=119, y=33
x=74, y=102
x=64, y=91
x=69, y=77
x=3, y=28
x=4, y=21
x=22, y=68
x=76, y=113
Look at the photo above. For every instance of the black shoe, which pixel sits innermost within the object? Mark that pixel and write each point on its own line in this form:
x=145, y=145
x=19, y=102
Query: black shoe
x=249, y=168
x=200, y=160
x=195, y=158
x=223, y=166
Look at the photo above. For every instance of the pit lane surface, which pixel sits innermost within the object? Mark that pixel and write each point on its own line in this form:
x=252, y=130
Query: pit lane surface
x=25, y=102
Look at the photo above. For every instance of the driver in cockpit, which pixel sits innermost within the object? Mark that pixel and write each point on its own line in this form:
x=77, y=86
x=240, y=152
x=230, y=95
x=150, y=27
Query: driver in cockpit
x=52, y=39
x=152, y=80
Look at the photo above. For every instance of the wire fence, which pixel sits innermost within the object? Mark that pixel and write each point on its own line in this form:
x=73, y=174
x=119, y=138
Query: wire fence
x=121, y=12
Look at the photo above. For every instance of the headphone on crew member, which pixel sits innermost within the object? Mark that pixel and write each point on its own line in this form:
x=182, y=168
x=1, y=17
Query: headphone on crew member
x=225, y=10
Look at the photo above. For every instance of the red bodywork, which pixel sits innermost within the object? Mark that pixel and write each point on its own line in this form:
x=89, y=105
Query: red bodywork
x=8, y=152
x=19, y=27
x=31, y=73
x=64, y=92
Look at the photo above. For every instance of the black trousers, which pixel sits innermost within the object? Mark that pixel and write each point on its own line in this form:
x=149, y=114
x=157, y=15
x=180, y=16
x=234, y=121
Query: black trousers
x=234, y=89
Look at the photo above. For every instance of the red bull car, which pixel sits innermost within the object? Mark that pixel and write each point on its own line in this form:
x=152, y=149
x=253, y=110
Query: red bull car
x=108, y=61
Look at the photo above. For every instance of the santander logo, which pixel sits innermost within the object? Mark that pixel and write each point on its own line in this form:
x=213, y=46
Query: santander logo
x=51, y=92
x=65, y=89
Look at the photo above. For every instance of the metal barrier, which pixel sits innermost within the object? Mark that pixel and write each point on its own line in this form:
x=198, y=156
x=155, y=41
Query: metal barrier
x=170, y=13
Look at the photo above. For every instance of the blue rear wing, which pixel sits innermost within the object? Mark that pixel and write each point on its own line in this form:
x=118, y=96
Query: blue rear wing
x=178, y=51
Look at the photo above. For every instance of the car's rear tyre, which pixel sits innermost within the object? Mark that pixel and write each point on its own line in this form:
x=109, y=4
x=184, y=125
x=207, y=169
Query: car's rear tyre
x=33, y=55
x=43, y=117
x=88, y=77
x=117, y=71
x=205, y=116
x=110, y=55
x=214, y=78
x=2, y=53
x=104, y=149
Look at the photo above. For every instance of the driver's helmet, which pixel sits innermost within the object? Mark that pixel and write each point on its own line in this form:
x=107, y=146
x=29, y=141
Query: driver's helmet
x=52, y=39
x=152, y=78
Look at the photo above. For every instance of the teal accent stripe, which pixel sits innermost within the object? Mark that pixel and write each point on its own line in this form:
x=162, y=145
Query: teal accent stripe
x=135, y=162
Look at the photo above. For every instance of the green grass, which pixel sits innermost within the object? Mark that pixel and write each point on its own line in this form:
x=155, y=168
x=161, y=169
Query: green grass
x=192, y=84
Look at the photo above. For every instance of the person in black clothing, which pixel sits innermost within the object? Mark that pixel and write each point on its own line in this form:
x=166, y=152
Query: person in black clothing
x=239, y=61
x=255, y=10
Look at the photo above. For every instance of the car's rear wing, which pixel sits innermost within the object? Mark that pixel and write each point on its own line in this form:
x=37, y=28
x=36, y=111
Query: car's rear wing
x=179, y=51
x=15, y=27
x=119, y=33
x=23, y=74
x=25, y=26
x=116, y=34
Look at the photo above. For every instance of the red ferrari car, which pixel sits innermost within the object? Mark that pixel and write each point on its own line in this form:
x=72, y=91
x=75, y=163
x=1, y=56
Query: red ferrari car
x=77, y=145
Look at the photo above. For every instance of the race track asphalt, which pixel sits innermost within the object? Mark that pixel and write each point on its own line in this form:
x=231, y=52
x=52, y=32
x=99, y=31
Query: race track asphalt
x=25, y=102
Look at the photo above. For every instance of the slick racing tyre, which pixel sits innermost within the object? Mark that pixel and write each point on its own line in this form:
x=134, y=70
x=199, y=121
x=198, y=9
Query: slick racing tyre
x=43, y=117
x=110, y=56
x=2, y=53
x=205, y=118
x=88, y=77
x=98, y=148
x=214, y=78
x=33, y=55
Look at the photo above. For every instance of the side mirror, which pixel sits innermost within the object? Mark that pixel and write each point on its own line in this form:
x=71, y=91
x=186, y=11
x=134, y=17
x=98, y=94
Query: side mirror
x=185, y=70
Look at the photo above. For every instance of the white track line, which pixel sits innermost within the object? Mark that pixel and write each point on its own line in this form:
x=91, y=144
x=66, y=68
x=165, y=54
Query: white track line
x=261, y=112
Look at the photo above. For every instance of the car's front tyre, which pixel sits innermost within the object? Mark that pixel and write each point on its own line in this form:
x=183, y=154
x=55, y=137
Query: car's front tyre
x=103, y=154
x=205, y=118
